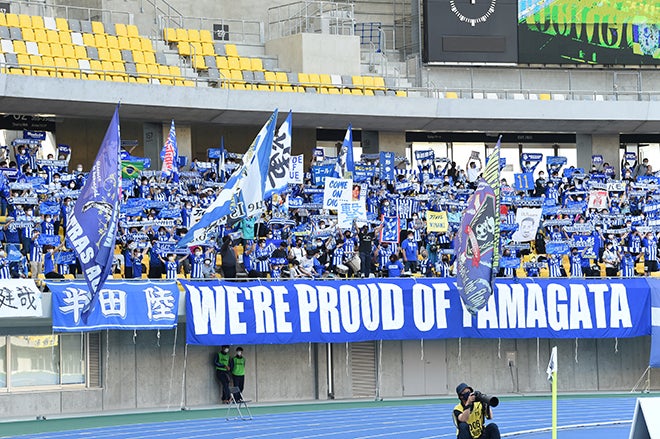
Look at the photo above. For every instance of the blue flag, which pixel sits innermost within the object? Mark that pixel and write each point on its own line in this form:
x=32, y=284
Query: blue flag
x=477, y=242
x=170, y=156
x=243, y=195
x=92, y=225
x=345, y=163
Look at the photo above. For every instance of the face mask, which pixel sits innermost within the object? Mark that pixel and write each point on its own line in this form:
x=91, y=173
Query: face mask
x=239, y=354
x=224, y=351
x=79, y=169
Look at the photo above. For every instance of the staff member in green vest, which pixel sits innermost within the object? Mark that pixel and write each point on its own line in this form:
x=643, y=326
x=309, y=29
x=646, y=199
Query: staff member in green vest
x=237, y=364
x=469, y=416
x=222, y=370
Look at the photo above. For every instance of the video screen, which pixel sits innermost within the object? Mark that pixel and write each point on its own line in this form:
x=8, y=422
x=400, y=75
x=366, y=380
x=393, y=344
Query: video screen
x=589, y=32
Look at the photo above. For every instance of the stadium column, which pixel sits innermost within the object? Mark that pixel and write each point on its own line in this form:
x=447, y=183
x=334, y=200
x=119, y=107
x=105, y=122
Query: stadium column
x=389, y=141
x=607, y=145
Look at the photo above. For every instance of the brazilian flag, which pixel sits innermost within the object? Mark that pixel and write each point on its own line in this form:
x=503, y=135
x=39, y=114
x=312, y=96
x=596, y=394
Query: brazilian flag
x=131, y=170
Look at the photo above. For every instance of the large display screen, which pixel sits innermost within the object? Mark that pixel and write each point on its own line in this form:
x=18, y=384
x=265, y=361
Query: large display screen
x=588, y=32
x=473, y=31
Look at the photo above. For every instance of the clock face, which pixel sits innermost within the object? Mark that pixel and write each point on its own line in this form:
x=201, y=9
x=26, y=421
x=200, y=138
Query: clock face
x=477, y=11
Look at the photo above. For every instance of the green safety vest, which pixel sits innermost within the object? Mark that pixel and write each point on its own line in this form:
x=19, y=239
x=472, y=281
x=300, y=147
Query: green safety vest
x=223, y=359
x=239, y=366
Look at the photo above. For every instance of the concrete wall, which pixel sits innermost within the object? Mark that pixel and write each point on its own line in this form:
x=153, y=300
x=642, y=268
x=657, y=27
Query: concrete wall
x=148, y=371
x=317, y=53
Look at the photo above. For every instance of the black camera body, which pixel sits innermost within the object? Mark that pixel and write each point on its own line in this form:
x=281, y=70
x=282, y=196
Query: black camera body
x=492, y=401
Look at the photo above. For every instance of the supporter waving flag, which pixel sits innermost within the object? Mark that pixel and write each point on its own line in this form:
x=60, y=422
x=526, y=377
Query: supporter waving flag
x=243, y=195
x=280, y=157
x=92, y=224
x=477, y=242
x=170, y=156
x=345, y=164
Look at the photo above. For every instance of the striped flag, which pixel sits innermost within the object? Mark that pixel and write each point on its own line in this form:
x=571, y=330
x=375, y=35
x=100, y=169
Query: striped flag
x=170, y=156
x=478, y=240
x=280, y=158
x=345, y=164
x=92, y=224
x=243, y=195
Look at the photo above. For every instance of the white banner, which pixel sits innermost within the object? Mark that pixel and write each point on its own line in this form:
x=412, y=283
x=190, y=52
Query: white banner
x=528, y=220
x=297, y=169
x=337, y=191
x=349, y=212
x=20, y=298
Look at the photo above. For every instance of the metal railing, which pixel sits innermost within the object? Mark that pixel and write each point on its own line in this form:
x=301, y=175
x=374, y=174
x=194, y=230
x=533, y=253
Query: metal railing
x=311, y=16
x=107, y=17
x=223, y=29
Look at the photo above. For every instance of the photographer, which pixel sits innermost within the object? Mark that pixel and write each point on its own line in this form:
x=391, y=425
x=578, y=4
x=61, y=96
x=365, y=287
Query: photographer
x=470, y=414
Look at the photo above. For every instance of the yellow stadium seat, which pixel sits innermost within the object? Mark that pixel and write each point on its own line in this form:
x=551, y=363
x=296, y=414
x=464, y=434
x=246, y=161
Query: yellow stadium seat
x=60, y=64
x=28, y=35
x=61, y=24
x=123, y=43
x=142, y=69
x=118, y=66
x=451, y=95
x=153, y=70
x=181, y=35
x=207, y=49
x=236, y=76
x=65, y=38
x=169, y=35
x=25, y=21
x=256, y=64
x=52, y=36
x=325, y=79
x=357, y=81
x=193, y=35
x=234, y=63
x=230, y=50
x=368, y=82
x=281, y=78
x=115, y=55
x=303, y=78
x=314, y=79
x=89, y=40
x=174, y=71
x=132, y=30
x=368, y=92
x=245, y=63
x=81, y=52
x=68, y=51
x=184, y=48
x=146, y=44
x=225, y=73
x=205, y=36
x=270, y=77
x=44, y=48
x=104, y=53
x=135, y=43
x=120, y=30
x=379, y=83
x=163, y=71
x=38, y=22
x=12, y=20
x=72, y=65
x=35, y=60
x=401, y=93
x=138, y=57
x=23, y=60
x=357, y=92
x=199, y=63
x=112, y=42
x=221, y=62
x=97, y=27
x=544, y=96
x=19, y=47
x=149, y=57
x=100, y=40
x=40, y=35
x=3, y=19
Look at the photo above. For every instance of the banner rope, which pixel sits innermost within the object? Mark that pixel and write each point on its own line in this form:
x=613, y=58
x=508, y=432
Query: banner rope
x=380, y=368
x=346, y=358
x=134, y=335
x=576, y=350
x=616, y=345
x=421, y=345
x=538, y=356
x=309, y=355
x=460, y=347
x=169, y=394
x=107, y=354
x=158, y=338
x=499, y=348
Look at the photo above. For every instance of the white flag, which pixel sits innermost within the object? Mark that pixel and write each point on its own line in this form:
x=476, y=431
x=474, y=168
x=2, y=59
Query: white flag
x=552, y=365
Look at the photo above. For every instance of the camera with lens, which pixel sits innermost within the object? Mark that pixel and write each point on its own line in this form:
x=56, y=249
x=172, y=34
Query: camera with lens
x=492, y=401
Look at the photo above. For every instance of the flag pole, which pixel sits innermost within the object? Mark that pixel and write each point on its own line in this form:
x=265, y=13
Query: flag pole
x=554, y=391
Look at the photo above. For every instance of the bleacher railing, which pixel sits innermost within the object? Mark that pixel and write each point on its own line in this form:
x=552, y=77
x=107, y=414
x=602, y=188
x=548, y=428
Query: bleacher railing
x=223, y=29
x=311, y=16
x=107, y=17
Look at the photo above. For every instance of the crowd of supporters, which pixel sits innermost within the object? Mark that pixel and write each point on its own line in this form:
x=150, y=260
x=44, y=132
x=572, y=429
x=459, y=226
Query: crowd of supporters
x=592, y=223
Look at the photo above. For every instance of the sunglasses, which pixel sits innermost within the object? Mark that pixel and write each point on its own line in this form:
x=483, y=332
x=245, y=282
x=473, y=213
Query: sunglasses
x=465, y=395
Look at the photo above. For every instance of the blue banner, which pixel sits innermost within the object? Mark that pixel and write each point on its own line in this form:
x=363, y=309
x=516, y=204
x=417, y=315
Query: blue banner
x=530, y=160
x=92, y=225
x=410, y=309
x=36, y=135
x=119, y=305
x=554, y=163
x=390, y=230
x=65, y=258
x=53, y=240
x=319, y=172
x=170, y=156
x=387, y=165
x=49, y=208
x=524, y=181
x=557, y=248
x=654, y=284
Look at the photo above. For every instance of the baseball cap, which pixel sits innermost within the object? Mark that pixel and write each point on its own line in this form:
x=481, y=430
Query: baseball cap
x=461, y=387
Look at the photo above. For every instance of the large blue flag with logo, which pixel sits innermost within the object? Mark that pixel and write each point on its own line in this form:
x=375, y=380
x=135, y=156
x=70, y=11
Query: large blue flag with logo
x=92, y=224
x=243, y=195
x=478, y=239
x=170, y=156
x=345, y=163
